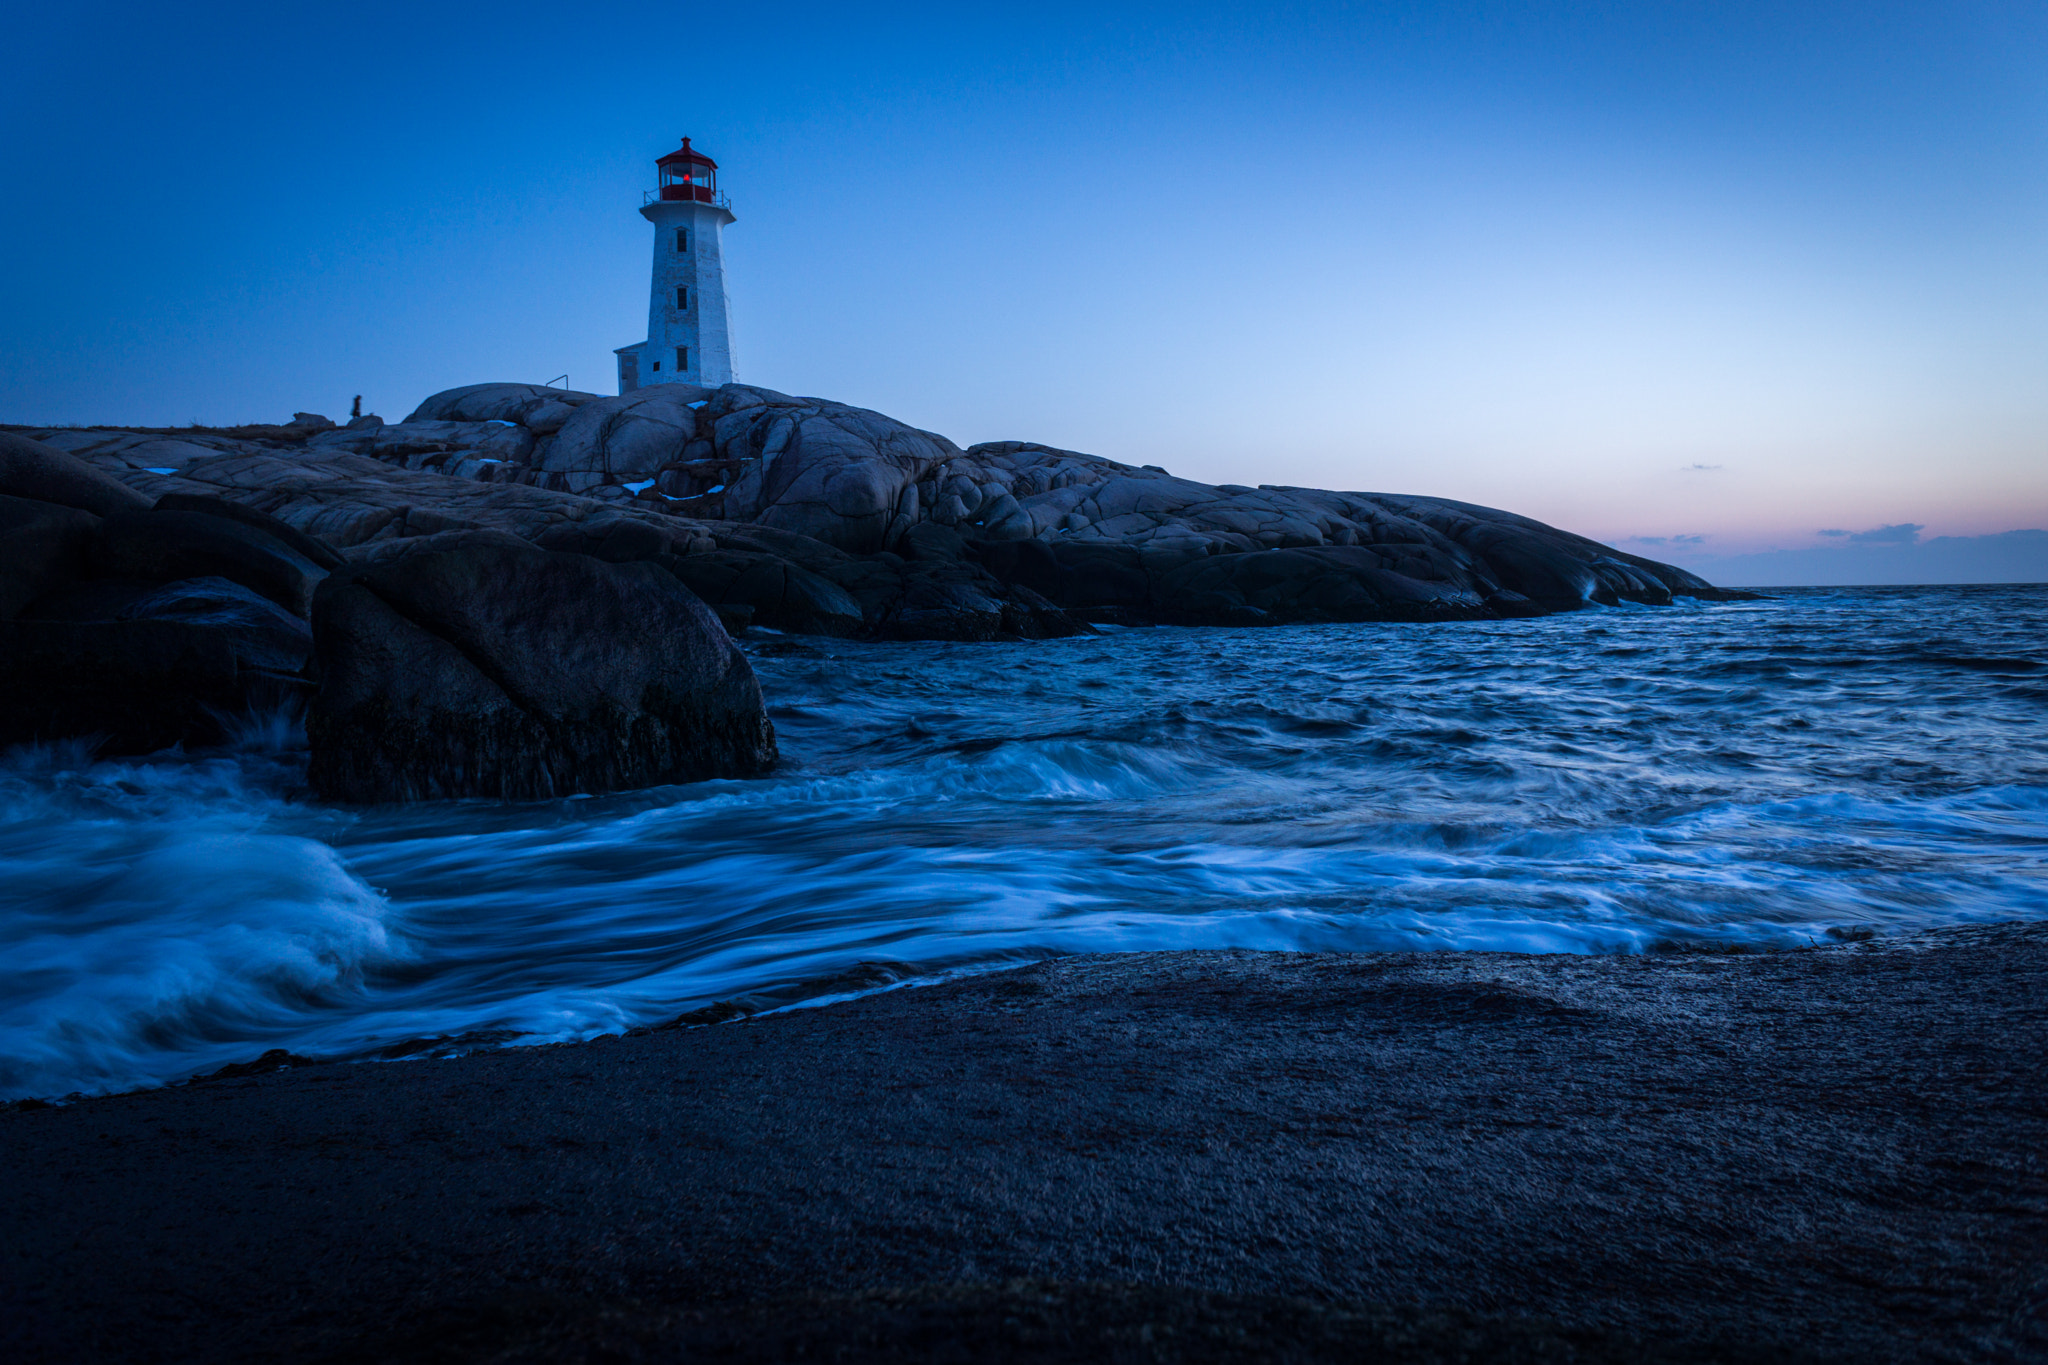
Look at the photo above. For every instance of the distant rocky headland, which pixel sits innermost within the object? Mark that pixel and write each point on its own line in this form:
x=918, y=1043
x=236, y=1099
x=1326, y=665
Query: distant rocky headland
x=521, y=591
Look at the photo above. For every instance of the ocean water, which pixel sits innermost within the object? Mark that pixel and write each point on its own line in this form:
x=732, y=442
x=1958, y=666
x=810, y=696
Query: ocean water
x=1744, y=776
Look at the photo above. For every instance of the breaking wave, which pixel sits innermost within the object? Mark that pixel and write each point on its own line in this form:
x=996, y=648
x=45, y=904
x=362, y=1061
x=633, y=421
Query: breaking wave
x=1729, y=778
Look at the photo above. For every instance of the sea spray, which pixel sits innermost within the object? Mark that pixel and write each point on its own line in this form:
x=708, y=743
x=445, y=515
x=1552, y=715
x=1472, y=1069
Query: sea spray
x=150, y=916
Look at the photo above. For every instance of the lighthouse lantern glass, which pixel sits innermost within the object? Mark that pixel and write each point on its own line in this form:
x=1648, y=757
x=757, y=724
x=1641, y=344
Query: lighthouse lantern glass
x=687, y=180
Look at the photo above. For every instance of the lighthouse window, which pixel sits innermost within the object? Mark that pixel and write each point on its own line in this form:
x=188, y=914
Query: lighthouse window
x=682, y=297
x=682, y=357
x=682, y=239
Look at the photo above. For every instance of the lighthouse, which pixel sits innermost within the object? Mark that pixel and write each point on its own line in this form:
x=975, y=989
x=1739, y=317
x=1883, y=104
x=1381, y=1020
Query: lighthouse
x=689, y=339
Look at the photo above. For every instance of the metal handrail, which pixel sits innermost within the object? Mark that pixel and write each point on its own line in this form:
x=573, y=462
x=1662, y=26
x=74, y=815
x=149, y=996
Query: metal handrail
x=717, y=201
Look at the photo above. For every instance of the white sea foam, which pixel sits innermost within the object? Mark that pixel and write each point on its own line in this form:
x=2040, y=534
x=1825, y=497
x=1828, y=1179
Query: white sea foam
x=148, y=917
x=1757, y=777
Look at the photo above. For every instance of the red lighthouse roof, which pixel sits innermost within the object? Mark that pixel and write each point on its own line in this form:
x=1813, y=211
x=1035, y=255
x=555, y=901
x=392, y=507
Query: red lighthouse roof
x=686, y=154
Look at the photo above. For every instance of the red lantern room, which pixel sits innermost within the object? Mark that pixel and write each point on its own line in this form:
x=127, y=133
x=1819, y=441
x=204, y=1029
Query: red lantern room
x=688, y=175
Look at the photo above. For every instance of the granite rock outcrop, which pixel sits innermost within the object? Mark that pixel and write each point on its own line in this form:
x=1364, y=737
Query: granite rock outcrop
x=477, y=665
x=927, y=539
x=737, y=506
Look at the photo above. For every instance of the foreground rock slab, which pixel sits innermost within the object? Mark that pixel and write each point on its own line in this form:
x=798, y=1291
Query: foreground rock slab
x=1826, y=1155
x=477, y=665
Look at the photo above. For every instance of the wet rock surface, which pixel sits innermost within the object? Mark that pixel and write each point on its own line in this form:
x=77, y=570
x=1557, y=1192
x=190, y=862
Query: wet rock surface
x=1826, y=1155
x=482, y=666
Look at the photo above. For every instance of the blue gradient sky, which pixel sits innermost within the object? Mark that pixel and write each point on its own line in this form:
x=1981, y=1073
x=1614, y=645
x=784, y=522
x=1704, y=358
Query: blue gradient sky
x=1736, y=272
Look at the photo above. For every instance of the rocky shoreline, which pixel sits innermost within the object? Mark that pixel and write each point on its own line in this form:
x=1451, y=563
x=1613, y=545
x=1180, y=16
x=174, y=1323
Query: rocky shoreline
x=522, y=592
x=1827, y=1155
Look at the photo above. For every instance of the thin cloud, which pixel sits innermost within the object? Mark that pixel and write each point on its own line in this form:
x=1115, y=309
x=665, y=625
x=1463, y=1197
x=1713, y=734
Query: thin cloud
x=1698, y=468
x=1900, y=533
x=1667, y=540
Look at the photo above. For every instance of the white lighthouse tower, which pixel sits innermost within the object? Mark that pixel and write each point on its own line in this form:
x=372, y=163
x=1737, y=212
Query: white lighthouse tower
x=688, y=336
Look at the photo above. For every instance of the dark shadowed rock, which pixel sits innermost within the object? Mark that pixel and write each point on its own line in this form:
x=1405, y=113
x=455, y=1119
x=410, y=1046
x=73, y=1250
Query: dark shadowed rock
x=1034, y=617
x=1323, y=582
x=142, y=666
x=803, y=550
x=31, y=469
x=778, y=594
x=1088, y=575
x=1553, y=568
x=491, y=668
x=760, y=575
x=42, y=546
x=930, y=542
x=161, y=546
x=263, y=637
x=945, y=600
x=310, y=547
x=137, y=685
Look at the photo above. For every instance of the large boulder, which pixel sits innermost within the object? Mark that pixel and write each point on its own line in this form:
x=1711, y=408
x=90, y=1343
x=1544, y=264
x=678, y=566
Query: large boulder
x=42, y=546
x=485, y=667
x=633, y=435
x=149, y=628
x=536, y=407
x=839, y=474
x=161, y=546
x=31, y=469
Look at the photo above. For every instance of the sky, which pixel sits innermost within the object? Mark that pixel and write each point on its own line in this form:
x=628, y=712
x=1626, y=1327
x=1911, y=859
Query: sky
x=1731, y=285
